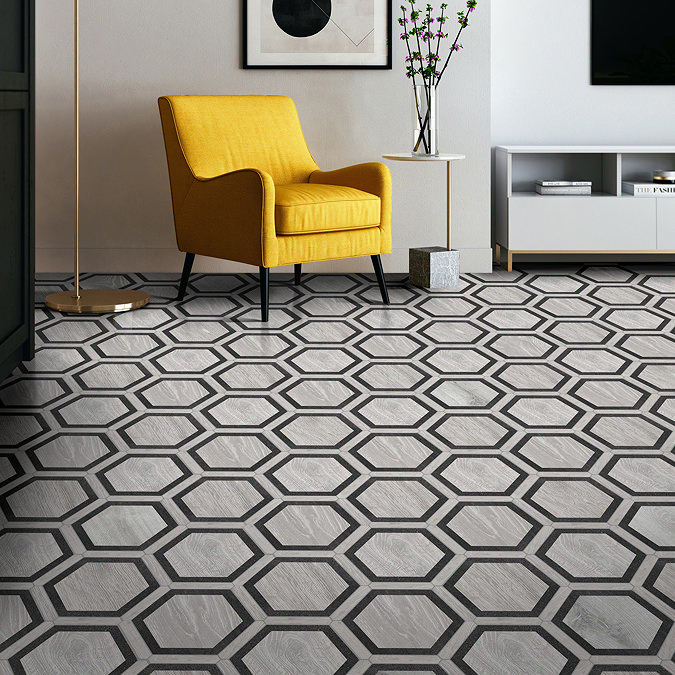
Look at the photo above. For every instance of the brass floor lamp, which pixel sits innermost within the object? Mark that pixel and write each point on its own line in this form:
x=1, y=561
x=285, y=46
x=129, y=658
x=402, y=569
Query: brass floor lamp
x=94, y=300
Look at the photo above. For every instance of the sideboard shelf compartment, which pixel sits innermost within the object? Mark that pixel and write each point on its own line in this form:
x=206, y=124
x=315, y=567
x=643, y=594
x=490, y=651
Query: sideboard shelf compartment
x=603, y=222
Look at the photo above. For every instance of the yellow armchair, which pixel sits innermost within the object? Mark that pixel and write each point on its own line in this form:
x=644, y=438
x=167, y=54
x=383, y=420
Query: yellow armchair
x=244, y=187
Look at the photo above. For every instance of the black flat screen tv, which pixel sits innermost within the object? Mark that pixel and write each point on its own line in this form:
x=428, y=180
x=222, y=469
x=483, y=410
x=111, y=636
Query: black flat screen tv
x=632, y=43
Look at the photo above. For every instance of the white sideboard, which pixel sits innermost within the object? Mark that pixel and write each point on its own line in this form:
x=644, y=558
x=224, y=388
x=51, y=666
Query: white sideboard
x=603, y=222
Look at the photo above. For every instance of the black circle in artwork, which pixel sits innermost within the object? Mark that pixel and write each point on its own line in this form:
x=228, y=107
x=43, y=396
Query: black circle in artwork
x=301, y=18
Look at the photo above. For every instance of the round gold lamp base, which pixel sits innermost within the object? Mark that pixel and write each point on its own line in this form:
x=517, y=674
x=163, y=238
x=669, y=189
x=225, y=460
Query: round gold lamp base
x=97, y=300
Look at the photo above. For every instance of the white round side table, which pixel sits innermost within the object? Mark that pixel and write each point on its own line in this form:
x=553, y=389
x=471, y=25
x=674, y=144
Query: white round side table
x=422, y=274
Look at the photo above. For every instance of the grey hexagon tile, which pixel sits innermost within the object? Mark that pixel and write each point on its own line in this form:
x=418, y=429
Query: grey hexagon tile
x=395, y=452
x=447, y=306
x=325, y=332
x=572, y=499
x=150, y=317
x=579, y=332
x=294, y=650
x=117, y=375
x=660, y=376
x=465, y=393
x=521, y=346
x=458, y=361
x=228, y=451
x=325, y=360
x=264, y=345
x=479, y=474
x=192, y=622
x=613, y=622
x=388, y=319
x=642, y=474
x=390, y=376
x=396, y=555
x=604, y=393
x=635, y=319
x=311, y=475
x=213, y=554
x=18, y=616
x=665, y=409
x=541, y=411
x=146, y=474
x=25, y=554
x=320, y=393
x=77, y=330
x=661, y=581
x=503, y=295
x=557, y=452
x=160, y=431
x=188, y=360
x=402, y=622
x=317, y=431
x=649, y=346
x=453, y=332
x=391, y=346
x=471, y=431
x=131, y=345
x=97, y=650
x=72, y=451
x=490, y=526
x=100, y=587
x=591, y=556
x=567, y=307
x=513, y=319
x=20, y=428
x=9, y=469
x=221, y=499
x=252, y=376
x=531, y=376
x=401, y=500
x=44, y=499
x=393, y=411
x=556, y=284
x=33, y=393
x=526, y=650
x=652, y=523
x=627, y=431
x=619, y=295
x=204, y=305
x=243, y=411
x=593, y=361
x=607, y=274
x=301, y=587
x=504, y=587
x=120, y=526
x=94, y=411
x=307, y=526
x=327, y=306
x=661, y=284
x=54, y=360
x=175, y=393
x=199, y=331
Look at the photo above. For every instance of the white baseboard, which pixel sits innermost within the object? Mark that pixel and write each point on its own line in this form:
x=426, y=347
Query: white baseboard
x=118, y=260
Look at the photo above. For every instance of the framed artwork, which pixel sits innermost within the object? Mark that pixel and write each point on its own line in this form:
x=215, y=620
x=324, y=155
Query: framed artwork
x=317, y=34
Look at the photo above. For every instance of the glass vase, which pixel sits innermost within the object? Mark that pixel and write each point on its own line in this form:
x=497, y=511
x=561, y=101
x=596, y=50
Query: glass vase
x=425, y=120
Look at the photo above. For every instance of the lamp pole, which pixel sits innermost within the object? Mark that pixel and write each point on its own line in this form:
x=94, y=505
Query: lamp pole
x=94, y=300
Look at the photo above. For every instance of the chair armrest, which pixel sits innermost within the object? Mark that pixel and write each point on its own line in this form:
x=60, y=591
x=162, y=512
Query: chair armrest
x=372, y=177
x=230, y=216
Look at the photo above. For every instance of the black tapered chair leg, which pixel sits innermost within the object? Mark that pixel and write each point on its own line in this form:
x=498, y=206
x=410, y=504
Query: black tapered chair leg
x=298, y=273
x=264, y=293
x=377, y=266
x=187, y=268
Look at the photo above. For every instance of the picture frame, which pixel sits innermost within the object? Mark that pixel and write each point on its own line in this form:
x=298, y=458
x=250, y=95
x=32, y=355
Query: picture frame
x=339, y=34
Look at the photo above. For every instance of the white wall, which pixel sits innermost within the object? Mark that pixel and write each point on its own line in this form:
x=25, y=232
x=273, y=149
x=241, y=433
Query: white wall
x=541, y=91
x=132, y=51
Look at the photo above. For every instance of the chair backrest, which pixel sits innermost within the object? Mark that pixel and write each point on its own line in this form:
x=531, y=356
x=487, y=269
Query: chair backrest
x=218, y=134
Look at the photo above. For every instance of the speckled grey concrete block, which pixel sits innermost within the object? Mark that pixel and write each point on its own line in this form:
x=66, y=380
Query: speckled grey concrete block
x=433, y=267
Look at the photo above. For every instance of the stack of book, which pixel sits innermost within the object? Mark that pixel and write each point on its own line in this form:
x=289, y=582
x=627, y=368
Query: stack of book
x=563, y=187
x=647, y=189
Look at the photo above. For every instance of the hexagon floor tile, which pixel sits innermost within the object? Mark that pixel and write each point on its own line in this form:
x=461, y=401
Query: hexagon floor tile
x=477, y=480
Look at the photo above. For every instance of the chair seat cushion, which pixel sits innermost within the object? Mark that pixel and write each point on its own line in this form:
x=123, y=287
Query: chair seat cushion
x=304, y=208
